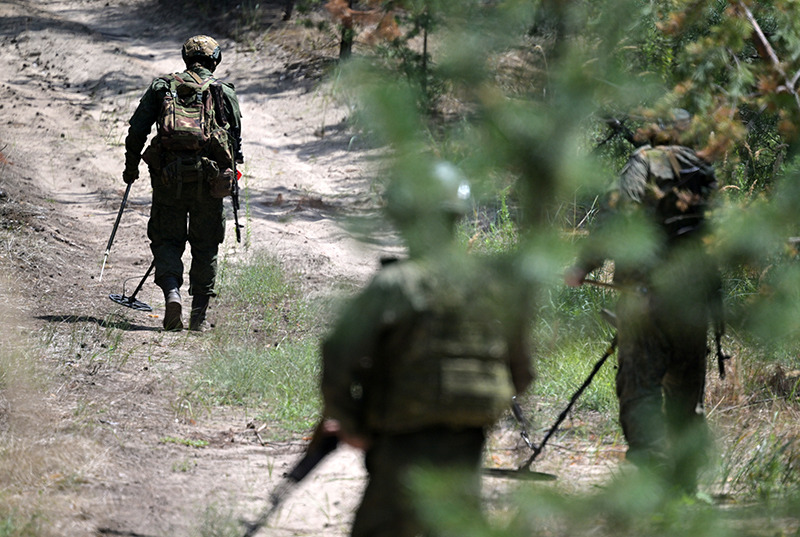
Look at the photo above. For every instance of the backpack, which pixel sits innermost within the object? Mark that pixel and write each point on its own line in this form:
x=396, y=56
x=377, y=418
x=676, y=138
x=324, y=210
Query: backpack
x=673, y=183
x=192, y=140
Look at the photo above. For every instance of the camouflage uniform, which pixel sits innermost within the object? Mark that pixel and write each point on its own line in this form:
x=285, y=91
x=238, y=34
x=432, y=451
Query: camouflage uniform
x=664, y=312
x=419, y=363
x=174, y=203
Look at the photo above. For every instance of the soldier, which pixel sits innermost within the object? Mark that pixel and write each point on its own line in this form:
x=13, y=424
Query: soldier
x=670, y=292
x=186, y=205
x=425, y=358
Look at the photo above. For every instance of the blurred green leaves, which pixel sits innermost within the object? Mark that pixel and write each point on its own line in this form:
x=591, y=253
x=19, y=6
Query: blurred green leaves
x=515, y=94
x=523, y=88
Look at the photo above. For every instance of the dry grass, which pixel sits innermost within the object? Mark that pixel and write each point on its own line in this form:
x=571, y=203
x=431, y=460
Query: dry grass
x=756, y=418
x=35, y=459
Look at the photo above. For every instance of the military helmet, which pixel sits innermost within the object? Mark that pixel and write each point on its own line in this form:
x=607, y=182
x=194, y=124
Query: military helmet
x=677, y=118
x=455, y=190
x=443, y=190
x=201, y=46
x=671, y=127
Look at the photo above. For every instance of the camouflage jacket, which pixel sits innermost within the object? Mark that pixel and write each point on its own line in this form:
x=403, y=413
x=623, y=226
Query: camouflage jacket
x=440, y=342
x=149, y=108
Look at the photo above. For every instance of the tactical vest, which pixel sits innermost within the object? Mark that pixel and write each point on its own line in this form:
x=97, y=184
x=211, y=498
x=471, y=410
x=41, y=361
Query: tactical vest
x=447, y=366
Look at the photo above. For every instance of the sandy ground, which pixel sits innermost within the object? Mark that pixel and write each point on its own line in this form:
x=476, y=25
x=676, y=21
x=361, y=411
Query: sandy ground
x=73, y=71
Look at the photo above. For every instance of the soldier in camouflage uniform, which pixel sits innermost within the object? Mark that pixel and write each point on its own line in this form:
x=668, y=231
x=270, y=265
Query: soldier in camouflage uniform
x=181, y=211
x=423, y=360
x=670, y=293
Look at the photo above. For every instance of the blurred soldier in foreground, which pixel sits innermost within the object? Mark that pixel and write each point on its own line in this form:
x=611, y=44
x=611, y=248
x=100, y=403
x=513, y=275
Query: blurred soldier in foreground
x=670, y=291
x=425, y=358
x=191, y=161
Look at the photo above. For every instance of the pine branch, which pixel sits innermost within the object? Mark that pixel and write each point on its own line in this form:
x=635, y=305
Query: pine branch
x=765, y=49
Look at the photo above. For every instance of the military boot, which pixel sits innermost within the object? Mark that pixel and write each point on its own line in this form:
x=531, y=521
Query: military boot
x=172, y=312
x=198, y=315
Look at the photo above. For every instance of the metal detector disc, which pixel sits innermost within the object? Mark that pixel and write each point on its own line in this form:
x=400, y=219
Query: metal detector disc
x=130, y=302
x=522, y=474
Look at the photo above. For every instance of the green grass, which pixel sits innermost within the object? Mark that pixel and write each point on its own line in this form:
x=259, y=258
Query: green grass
x=490, y=230
x=257, y=299
x=184, y=442
x=217, y=520
x=563, y=371
x=570, y=336
x=263, y=352
x=280, y=384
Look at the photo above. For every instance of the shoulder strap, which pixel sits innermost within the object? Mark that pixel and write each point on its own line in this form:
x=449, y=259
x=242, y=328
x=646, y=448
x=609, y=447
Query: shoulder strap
x=211, y=81
x=196, y=77
x=673, y=161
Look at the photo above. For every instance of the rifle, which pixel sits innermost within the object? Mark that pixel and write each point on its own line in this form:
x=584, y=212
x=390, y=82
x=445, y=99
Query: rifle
x=717, y=311
x=234, y=135
x=321, y=445
x=618, y=128
x=235, y=201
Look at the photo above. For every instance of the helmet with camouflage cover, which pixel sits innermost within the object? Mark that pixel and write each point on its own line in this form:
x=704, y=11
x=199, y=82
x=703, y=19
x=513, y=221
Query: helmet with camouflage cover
x=201, y=48
x=671, y=127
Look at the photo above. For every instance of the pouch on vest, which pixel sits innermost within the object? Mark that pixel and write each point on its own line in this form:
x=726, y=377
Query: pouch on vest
x=221, y=186
x=183, y=169
x=451, y=372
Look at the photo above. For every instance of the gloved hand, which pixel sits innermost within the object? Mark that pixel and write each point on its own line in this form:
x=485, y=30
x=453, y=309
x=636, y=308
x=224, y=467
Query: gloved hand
x=131, y=172
x=130, y=176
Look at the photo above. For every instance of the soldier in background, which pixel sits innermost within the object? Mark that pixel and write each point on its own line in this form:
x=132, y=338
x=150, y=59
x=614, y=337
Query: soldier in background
x=185, y=208
x=425, y=358
x=670, y=293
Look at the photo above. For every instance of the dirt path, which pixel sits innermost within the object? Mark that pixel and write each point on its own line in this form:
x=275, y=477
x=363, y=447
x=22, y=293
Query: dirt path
x=73, y=73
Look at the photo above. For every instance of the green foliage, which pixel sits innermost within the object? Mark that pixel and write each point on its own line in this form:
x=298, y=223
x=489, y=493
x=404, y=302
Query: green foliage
x=532, y=85
x=762, y=464
x=630, y=506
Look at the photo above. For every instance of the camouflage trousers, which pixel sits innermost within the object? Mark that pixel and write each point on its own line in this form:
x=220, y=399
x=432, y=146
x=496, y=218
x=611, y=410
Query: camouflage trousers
x=178, y=216
x=660, y=385
x=388, y=508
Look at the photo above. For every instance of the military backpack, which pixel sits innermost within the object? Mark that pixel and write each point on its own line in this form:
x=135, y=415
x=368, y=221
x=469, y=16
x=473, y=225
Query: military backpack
x=674, y=183
x=192, y=141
